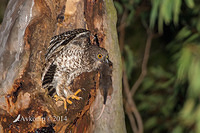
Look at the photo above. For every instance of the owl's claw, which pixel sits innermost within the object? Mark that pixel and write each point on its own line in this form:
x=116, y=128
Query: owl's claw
x=57, y=98
x=74, y=96
x=65, y=103
x=79, y=90
x=66, y=100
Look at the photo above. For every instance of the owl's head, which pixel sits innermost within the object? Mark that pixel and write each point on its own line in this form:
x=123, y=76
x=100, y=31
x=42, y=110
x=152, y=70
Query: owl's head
x=99, y=56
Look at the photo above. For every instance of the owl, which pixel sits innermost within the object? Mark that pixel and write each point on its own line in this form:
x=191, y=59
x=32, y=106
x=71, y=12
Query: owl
x=69, y=55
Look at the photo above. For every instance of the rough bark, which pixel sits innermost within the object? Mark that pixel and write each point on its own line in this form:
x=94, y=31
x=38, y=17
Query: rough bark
x=26, y=30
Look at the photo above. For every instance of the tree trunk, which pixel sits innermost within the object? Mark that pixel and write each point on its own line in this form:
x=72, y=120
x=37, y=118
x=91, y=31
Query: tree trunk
x=26, y=31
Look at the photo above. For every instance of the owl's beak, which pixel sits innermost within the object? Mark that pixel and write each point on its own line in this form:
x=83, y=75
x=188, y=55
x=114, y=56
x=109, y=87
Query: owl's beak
x=108, y=61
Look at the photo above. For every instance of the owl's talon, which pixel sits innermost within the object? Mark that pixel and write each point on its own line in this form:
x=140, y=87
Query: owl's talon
x=68, y=101
x=57, y=98
x=74, y=96
x=65, y=103
x=79, y=90
x=83, y=89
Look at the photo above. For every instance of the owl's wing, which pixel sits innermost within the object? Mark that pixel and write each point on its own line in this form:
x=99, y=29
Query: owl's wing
x=48, y=77
x=58, y=42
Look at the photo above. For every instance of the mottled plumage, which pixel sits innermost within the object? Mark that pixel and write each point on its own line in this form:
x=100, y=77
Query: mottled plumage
x=69, y=55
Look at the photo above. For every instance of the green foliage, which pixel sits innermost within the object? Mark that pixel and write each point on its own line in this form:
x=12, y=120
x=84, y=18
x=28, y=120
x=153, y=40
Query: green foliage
x=184, y=63
x=189, y=68
x=190, y=3
x=124, y=7
x=129, y=60
x=166, y=11
x=154, y=97
x=168, y=99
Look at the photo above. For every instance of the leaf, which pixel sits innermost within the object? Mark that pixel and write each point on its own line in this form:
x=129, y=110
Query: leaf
x=194, y=80
x=189, y=3
x=178, y=129
x=129, y=60
x=183, y=64
x=150, y=123
x=186, y=113
x=148, y=83
x=183, y=33
x=129, y=6
x=166, y=10
x=119, y=7
x=189, y=68
x=154, y=12
x=144, y=106
x=130, y=17
x=192, y=38
x=166, y=84
x=176, y=9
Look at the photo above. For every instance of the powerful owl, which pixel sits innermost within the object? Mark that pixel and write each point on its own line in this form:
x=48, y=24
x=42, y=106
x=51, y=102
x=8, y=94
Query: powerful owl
x=69, y=55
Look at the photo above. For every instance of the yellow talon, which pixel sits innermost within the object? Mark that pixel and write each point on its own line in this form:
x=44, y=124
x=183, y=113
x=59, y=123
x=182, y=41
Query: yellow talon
x=65, y=104
x=66, y=100
x=62, y=99
x=79, y=90
x=56, y=97
x=74, y=96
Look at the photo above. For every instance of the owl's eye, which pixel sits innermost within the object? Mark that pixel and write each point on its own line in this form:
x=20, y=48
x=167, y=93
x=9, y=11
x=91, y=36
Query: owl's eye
x=99, y=56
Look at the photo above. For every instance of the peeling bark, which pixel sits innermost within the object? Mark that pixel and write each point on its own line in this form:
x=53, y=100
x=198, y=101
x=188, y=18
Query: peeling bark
x=26, y=30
